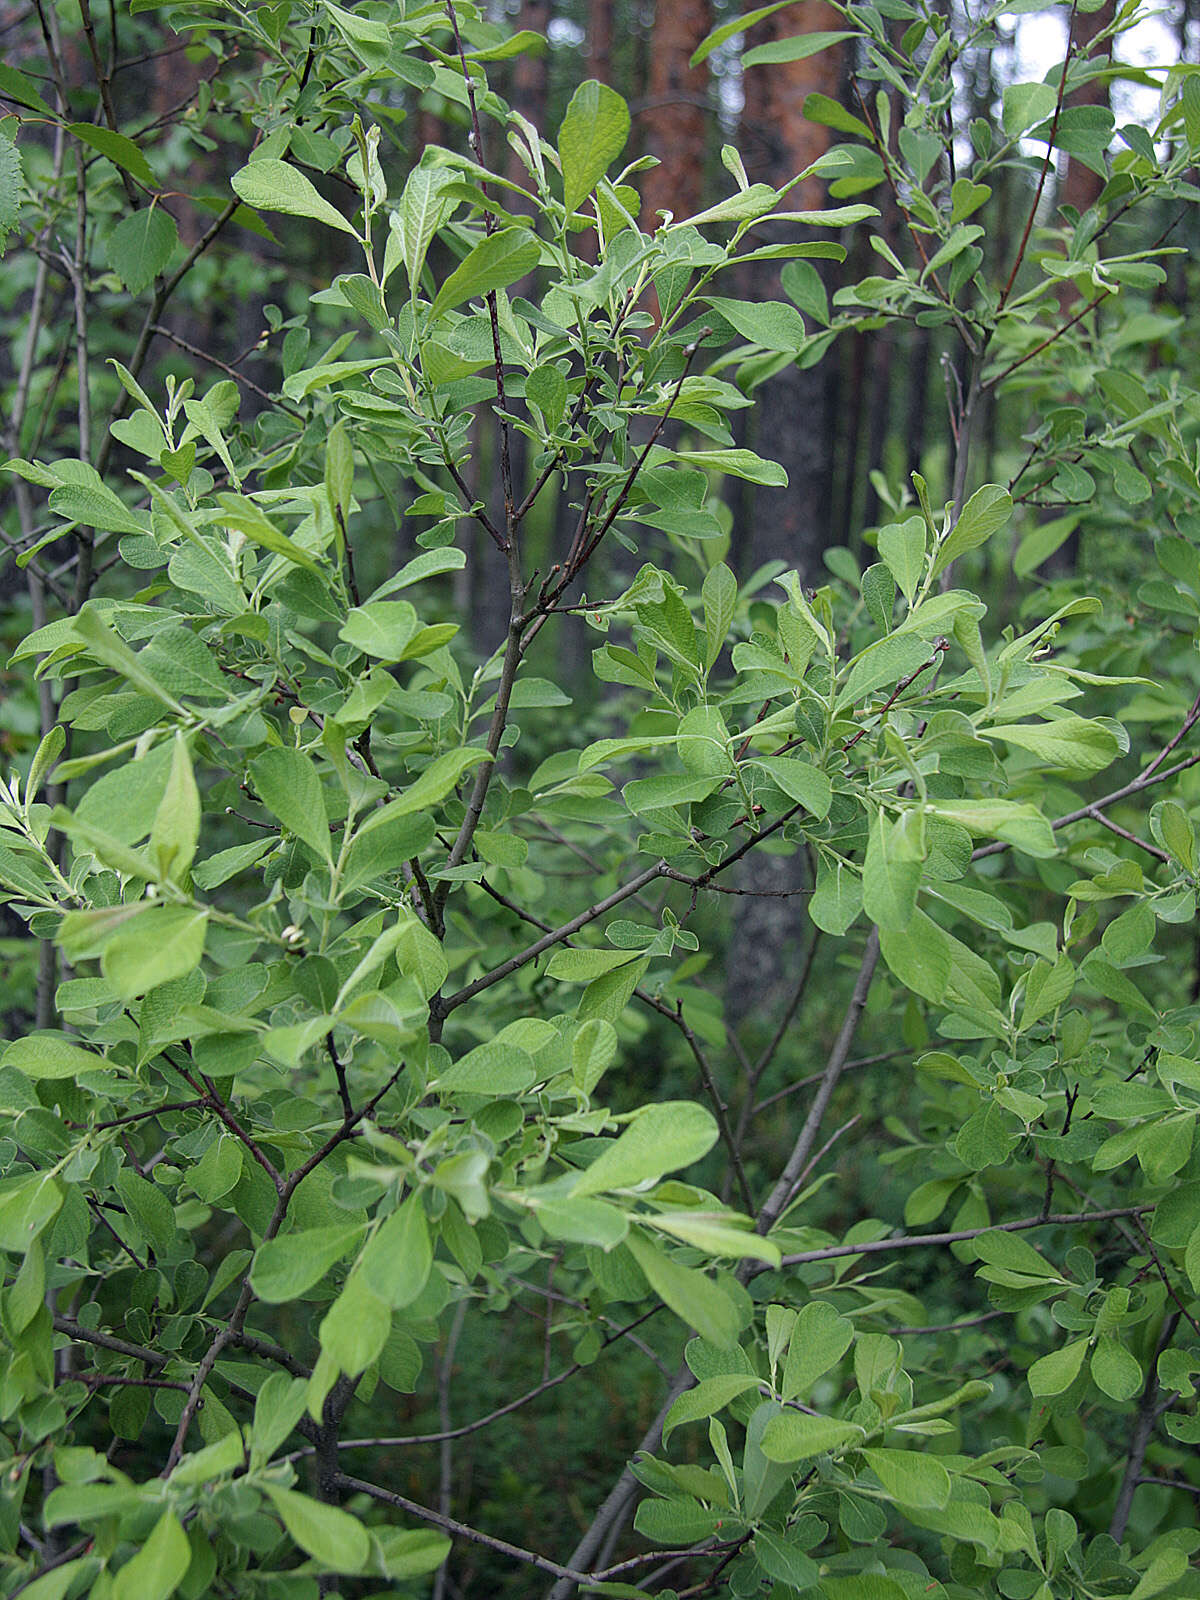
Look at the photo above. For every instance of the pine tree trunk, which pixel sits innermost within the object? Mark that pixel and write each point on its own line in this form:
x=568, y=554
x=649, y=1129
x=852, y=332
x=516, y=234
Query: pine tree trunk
x=675, y=121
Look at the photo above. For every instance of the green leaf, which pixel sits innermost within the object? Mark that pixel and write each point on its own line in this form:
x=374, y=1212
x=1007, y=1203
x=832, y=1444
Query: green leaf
x=156, y=945
x=1025, y=105
x=386, y=849
x=10, y=172
x=1171, y=826
x=105, y=646
x=819, y=1340
x=793, y=1436
x=709, y=1396
x=493, y=1069
x=381, y=628
x=46, y=754
x=800, y=781
x=140, y=247
x=214, y=1460
x=797, y=48
x=738, y=464
x=217, y=869
x=693, y=1298
x=427, y=565
x=242, y=513
x=985, y=513
x=919, y=955
x=119, y=149
x=729, y=30
x=21, y=90
x=1056, y=1372
x=773, y=324
x=336, y=1541
x=606, y=997
x=96, y=506
x=27, y=1205
x=837, y=898
x=986, y=1138
x=592, y=136
x=703, y=742
x=1115, y=1369
x=421, y=212
x=1021, y=825
x=270, y=185
x=1042, y=540
x=901, y=547
x=150, y=1209
x=434, y=784
x=288, y=786
x=581, y=966
x=583, y=1221
x=158, y=1568
x=663, y=1137
x=1170, y=1565
x=547, y=389
x=870, y=1586
x=176, y=830
x=397, y=1259
x=891, y=874
x=1191, y=1259
x=411, y=1553
x=1075, y=744
x=53, y=1585
x=496, y=261
x=287, y=1266
x=1000, y=1248
x=719, y=597
x=47, y=1055
x=716, y=1235
x=909, y=1478
x=675, y=1520
x=829, y=113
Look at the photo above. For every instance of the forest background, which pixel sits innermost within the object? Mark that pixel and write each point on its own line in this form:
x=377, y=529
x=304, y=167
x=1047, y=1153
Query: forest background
x=980, y=360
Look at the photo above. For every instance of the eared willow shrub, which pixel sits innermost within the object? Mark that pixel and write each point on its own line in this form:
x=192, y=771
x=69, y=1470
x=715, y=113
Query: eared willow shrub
x=332, y=1058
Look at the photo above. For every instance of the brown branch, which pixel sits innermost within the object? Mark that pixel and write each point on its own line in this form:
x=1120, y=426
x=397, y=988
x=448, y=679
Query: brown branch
x=403, y=1441
x=340, y=1073
x=80, y=1548
x=1139, y=1438
x=443, y=1007
x=675, y=1016
x=916, y=1241
x=232, y=1329
x=1124, y=833
x=106, y=1341
x=1046, y=164
x=940, y=646
x=1144, y=780
x=230, y=372
x=587, y=547
x=460, y=1530
x=815, y=1077
x=1052, y=338
x=782, y=1192
x=141, y=1116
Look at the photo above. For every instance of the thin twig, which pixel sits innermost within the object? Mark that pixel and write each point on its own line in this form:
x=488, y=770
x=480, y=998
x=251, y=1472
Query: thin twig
x=1046, y=165
x=918, y=1241
x=460, y=1530
x=1139, y=1438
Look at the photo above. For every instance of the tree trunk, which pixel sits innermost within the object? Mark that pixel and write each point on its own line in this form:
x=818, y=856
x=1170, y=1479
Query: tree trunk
x=1081, y=186
x=793, y=424
x=675, y=121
